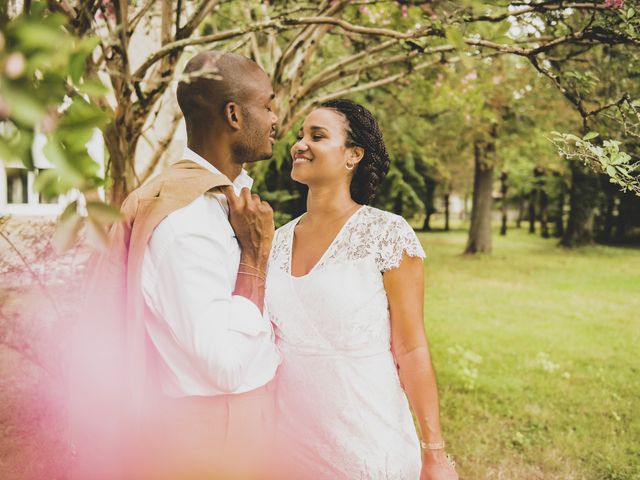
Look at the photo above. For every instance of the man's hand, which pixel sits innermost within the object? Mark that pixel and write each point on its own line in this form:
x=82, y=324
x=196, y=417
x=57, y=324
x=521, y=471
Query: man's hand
x=252, y=220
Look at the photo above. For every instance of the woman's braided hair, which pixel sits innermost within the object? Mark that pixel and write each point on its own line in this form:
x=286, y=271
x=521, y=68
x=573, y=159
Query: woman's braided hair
x=363, y=131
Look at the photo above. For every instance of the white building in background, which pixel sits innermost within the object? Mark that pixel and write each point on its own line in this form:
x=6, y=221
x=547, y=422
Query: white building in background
x=17, y=195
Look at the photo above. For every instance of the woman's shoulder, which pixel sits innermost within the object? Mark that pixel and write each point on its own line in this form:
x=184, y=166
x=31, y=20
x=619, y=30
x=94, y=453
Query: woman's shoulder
x=383, y=218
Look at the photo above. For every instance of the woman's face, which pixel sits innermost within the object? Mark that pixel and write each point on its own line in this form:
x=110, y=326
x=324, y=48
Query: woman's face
x=320, y=154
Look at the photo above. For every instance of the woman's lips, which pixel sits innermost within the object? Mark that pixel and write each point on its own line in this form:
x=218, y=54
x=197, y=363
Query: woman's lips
x=299, y=160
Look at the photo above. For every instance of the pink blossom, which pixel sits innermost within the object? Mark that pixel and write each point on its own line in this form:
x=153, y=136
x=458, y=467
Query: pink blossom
x=471, y=76
x=405, y=10
x=15, y=65
x=614, y=3
x=50, y=122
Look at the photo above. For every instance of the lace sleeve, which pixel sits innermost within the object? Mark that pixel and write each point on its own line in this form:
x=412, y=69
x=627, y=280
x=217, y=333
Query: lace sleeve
x=397, y=239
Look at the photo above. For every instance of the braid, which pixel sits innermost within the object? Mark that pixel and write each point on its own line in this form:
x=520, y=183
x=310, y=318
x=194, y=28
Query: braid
x=363, y=131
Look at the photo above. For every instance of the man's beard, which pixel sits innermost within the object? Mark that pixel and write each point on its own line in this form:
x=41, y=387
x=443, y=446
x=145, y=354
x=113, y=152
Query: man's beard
x=250, y=151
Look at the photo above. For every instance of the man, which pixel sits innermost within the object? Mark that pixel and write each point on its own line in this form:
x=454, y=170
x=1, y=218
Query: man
x=192, y=251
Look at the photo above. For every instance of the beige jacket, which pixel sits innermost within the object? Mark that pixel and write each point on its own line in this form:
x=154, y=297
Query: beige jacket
x=116, y=405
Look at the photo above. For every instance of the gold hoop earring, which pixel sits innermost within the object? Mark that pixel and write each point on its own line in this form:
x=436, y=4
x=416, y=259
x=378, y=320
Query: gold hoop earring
x=350, y=166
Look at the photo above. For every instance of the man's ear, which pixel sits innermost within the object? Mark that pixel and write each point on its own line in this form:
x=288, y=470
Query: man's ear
x=232, y=115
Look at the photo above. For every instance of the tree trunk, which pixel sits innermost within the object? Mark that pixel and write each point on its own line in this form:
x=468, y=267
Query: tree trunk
x=504, y=186
x=446, y=212
x=532, y=211
x=607, y=231
x=479, y=240
x=558, y=230
x=429, y=202
x=520, y=212
x=628, y=215
x=544, y=214
x=121, y=171
x=582, y=202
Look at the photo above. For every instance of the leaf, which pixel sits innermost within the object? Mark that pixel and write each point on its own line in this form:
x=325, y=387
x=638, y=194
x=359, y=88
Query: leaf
x=454, y=36
x=24, y=108
x=590, y=135
x=103, y=213
x=45, y=183
x=41, y=35
x=82, y=114
x=611, y=171
x=97, y=235
x=93, y=88
x=57, y=156
x=630, y=13
x=502, y=29
x=68, y=228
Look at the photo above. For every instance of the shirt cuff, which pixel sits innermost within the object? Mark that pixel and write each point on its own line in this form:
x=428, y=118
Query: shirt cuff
x=246, y=317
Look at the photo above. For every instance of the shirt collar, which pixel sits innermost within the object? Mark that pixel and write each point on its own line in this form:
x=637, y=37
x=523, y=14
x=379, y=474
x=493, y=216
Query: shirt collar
x=241, y=181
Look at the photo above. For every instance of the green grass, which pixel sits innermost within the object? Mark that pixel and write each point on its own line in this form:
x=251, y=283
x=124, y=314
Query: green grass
x=537, y=354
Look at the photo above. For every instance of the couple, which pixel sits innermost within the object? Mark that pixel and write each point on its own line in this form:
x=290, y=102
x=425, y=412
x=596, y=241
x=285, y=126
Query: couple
x=299, y=351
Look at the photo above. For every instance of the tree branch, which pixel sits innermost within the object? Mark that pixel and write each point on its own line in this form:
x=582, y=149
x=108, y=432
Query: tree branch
x=204, y=9
x=162, y=147
x=354, y=89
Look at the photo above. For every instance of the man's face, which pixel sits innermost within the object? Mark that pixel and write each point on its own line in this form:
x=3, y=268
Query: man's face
x=259, y=124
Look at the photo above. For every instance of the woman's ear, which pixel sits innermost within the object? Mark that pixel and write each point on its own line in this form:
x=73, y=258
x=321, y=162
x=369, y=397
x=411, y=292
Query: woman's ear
x=356, y=154
x=233, y=116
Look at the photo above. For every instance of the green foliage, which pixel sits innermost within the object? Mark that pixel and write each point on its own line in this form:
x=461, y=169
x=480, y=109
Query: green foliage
x=605, y=158
x=44, y=89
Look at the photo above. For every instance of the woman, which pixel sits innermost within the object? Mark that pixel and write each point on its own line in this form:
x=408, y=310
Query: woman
x=345, y=292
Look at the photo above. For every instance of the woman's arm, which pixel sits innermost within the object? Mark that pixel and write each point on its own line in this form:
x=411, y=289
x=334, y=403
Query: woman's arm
x=405, y=290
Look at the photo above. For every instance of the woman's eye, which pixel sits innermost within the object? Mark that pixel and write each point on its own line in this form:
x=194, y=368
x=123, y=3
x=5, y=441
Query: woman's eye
x=317, y=137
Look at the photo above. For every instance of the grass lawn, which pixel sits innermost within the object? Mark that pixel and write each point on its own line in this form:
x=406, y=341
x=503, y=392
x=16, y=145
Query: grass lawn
x=537, y=353
x=536, y=350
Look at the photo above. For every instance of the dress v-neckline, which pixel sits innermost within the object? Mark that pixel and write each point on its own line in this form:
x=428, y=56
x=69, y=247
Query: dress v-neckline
x=328, y=249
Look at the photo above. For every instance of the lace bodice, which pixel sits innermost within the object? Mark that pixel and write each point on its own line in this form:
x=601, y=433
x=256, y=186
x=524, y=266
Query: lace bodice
x=370, y=233
x=338, y=389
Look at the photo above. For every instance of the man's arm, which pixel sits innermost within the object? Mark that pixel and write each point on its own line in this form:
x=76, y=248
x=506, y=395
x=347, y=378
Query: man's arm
x=222, y=333
x=252, y=221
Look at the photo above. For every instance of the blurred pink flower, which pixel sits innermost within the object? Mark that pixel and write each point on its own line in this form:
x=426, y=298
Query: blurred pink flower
x=614, y=3
x=50, y=122
x=405, y=10
x=15, y=65
x=471, y=76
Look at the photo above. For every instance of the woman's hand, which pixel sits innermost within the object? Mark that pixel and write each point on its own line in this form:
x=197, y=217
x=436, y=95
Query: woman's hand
x=436, y=466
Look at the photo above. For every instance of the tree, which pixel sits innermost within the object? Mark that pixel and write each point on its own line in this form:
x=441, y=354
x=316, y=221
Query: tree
x=44, y=89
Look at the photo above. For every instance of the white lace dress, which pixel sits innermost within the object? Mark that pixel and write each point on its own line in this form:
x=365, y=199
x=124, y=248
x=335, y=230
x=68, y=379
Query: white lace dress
x=342, y=411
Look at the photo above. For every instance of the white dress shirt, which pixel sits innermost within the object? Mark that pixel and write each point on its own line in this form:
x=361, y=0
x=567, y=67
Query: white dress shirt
x=211, y=342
